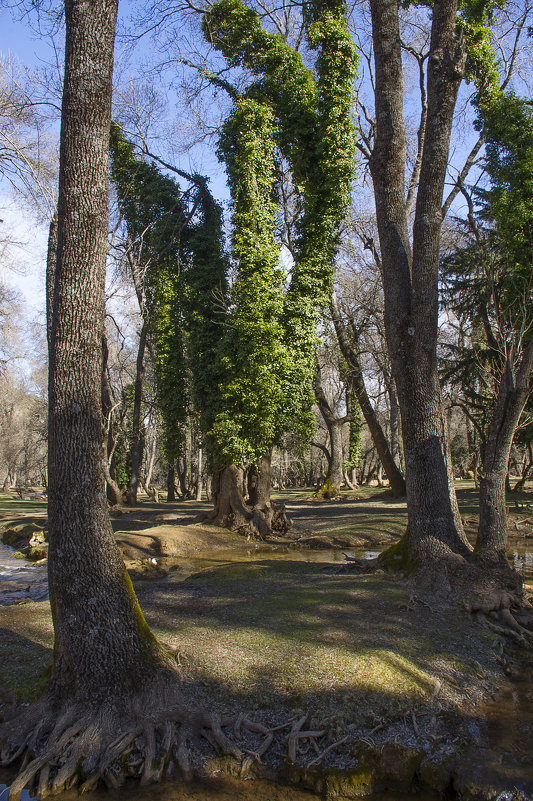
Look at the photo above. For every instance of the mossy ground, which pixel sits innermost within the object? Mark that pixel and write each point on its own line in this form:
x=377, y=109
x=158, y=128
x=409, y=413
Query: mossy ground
x=359, y=653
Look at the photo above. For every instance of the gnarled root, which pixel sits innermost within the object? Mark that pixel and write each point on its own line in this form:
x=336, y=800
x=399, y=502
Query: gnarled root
x=147, y=737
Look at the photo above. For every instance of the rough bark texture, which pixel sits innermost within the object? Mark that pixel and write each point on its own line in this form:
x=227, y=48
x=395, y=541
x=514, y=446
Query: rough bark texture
x=512, y=395
x=411, y=279
x=114, y=692
x=88, y=584
x=396, y=479
x=256, y=518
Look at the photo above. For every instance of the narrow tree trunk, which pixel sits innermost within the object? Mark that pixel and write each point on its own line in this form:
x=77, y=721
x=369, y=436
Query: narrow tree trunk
x=396, y=479
x=514, y=388
x=136, y=444
x=171, y=483
x=335, y=472
x=114, y=494
x=199, y=476
x=151, y=460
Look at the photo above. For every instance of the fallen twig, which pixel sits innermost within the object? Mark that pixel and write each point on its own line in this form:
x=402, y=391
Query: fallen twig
x=321, y=756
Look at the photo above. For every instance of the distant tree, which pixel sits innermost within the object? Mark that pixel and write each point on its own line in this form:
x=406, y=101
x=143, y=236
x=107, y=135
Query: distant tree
x=153, y=208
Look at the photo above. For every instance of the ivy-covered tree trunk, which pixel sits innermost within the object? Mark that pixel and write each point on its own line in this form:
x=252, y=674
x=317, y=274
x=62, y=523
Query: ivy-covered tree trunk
x=113, y=688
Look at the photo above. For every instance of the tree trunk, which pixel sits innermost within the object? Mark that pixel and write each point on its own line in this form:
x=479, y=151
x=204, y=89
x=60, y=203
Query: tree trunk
x=396, y=479
x=229, y=508
x=171, y=484
x=114, y=494
x=111, y=682
x=259, y=489
x=137, y=444
x=335, y=473
x=198, y=496
x=514, y=388
x=181, y=470
x=256, y=518
x=410, y=281
x=82, y=544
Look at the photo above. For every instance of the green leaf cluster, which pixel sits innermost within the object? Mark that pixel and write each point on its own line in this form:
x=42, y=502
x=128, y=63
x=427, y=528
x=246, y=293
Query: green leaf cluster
x=184, y=269
x=303, y=116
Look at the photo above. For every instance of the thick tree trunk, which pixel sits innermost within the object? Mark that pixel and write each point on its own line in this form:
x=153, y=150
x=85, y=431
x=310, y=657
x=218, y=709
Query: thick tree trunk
x=93, y=656
x=112, y=687
x=255, y=518
x=137, y=440
x=259, y=489
x=393, y=473
x=411, y=280
x=229, y=508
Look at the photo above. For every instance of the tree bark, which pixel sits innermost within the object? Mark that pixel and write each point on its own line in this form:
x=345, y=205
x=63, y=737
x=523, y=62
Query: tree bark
x=101, y=645
x=112, y=684
x=198, y=496
x=335, y=472
x=229, y=508
x=396, y=479
x=512, y=395
x=410, y=280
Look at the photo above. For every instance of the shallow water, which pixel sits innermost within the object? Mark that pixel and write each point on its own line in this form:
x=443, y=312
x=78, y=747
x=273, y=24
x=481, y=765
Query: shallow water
x=214, y=790
x=21, y=580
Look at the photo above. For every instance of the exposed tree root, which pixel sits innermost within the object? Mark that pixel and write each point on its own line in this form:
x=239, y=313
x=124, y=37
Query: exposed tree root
x=147, y=737
x=492, y=592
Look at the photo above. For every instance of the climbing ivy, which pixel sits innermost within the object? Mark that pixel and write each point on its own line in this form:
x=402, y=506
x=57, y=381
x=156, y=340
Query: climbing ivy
x=305, y=116
x=154, y=214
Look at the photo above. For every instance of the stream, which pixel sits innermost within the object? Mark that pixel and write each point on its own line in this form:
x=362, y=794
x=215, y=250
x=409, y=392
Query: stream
x=21, y=580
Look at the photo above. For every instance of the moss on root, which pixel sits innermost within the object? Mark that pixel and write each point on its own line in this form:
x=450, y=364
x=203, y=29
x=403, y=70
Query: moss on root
x=398, y=558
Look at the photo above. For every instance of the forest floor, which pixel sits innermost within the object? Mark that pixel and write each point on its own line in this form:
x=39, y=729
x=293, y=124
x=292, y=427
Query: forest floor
x=399, y=692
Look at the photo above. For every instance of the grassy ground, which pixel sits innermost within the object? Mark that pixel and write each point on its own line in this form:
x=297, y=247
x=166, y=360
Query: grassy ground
x=361, y=655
